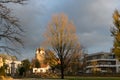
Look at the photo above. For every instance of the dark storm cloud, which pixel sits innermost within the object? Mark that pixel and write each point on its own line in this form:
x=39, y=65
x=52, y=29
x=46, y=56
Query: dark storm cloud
x=92, y=19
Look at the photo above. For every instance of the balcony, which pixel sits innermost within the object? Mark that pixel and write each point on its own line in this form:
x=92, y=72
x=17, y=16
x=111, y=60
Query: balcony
x=101, y=60
x=101, y=66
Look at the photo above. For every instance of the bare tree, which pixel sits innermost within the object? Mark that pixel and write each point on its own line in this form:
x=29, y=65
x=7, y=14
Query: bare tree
x=61, y=36
x=73, y=60
x=10, y=28
x=13, y=1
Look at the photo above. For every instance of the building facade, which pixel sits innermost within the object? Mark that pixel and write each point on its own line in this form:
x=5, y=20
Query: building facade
x=12, y=66
x=102, y=62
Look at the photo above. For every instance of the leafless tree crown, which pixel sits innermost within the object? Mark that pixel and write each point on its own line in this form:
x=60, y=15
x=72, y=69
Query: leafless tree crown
x=10, y=28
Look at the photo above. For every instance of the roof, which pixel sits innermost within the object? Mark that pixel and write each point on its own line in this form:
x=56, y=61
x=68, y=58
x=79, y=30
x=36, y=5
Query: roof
x=99, y=53
x=44, y=65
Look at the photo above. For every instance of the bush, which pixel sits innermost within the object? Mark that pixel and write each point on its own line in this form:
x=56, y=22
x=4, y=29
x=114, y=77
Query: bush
x=2, y=71
x=21, y=71
x=5, y=78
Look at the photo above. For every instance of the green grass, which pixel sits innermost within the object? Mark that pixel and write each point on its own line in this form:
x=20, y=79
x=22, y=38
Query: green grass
x=92, y=78
x=76, y=78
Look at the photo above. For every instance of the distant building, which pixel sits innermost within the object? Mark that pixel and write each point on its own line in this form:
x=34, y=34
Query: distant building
x=102, y=62
x=12, y=66
x=41, y=70
x=10, y=62
x=40, y=56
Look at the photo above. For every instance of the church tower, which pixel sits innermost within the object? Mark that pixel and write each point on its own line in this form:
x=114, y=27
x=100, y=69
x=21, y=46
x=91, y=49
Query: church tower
x=40, y=55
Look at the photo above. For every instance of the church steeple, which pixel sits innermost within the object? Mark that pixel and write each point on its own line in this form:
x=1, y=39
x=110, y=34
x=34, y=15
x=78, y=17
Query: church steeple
x=40, y=55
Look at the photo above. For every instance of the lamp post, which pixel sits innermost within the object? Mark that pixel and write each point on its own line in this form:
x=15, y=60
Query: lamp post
x=12, y=68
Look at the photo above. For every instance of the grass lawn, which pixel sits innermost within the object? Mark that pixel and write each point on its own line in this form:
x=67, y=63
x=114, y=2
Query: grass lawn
x=75, y=78
x=92, y=78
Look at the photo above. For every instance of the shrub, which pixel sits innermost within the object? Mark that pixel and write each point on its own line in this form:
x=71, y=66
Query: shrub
x=2, y=71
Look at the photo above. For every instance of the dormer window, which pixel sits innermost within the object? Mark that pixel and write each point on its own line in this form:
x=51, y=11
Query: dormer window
x=37, y=52
x=42, y=52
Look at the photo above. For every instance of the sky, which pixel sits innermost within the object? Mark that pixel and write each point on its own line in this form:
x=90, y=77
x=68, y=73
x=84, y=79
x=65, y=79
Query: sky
x=92, y=18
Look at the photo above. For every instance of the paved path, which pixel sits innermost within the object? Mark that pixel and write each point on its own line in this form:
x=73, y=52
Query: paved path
x=37, y=79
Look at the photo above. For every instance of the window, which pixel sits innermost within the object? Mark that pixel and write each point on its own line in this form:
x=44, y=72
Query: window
x=41, y=70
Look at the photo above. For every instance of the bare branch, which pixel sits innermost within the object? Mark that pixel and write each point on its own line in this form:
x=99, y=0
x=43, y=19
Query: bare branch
x=10, y=28
x=13, y=1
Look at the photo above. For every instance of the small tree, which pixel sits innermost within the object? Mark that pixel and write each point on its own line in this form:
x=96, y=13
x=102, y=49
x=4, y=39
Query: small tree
x=25, y=65
x=61, y=36
x=21, y=70
x=2, y=71
x=116, y=34
x=94, y=68
x=35, y=63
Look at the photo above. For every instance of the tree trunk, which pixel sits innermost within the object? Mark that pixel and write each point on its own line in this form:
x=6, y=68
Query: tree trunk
x=62, y=68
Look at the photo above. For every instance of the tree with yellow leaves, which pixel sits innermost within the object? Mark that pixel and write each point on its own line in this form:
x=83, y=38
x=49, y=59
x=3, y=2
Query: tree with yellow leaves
x=116, y=34
x=94, y=68
x=61, y=36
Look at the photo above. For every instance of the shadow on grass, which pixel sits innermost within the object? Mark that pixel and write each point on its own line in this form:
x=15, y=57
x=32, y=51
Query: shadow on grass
x=92, y=78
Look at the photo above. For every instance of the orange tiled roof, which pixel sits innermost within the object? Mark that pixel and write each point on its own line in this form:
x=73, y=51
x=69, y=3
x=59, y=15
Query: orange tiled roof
x=44, y=65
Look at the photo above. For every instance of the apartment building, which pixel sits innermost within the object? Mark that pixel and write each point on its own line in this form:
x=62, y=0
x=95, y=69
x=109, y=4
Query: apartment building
x=102, y=62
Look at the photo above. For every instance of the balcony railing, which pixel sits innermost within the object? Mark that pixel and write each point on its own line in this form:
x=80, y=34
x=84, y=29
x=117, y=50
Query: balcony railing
x=102, y=60
x=103, y=66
